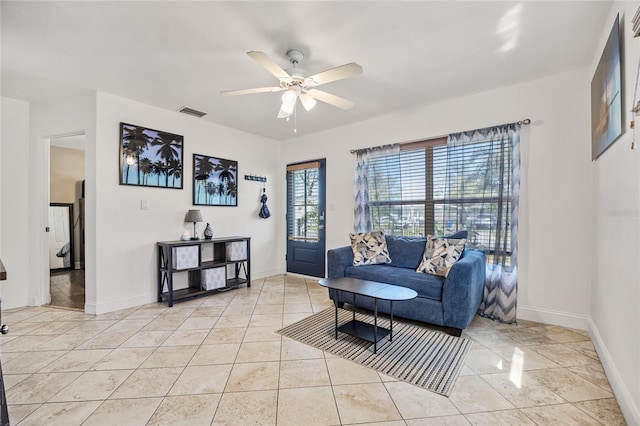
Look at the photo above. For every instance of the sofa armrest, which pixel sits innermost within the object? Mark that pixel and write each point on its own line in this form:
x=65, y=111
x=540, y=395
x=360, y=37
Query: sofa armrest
x=338, y=260
x=463, y=289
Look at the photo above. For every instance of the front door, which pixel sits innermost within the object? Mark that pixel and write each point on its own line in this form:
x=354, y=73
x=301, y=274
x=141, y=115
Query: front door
x=306, y=218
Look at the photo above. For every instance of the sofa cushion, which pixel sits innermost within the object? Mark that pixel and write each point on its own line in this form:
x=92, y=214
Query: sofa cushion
x=440, y=254
x=426, y=285
x=405, y=252
x=369, y=248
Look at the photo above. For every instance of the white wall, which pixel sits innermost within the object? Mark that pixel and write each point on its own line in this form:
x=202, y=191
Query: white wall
x=120, y=237
x=615, y=294
x=14, y=208
x=126, y=235
x=25, y=132
x=49, y=119
x=555, y=191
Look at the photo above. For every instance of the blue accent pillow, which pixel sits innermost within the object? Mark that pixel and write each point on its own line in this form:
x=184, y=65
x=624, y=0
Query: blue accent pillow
x=457, y=236
x=405, y=252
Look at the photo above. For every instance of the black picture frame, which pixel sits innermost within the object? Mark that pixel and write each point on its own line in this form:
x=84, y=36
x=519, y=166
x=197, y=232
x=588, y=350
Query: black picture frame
x=607, y=95
x=151, y=158
x=215, y=181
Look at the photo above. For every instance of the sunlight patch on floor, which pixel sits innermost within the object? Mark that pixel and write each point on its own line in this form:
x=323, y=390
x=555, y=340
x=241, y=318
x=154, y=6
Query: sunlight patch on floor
x=517, y=362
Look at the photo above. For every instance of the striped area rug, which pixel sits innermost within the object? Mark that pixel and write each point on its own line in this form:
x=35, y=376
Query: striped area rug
x=426, y=358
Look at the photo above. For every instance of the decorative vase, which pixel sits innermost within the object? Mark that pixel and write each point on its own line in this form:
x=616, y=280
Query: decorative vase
x=208, y=232
x=185, y=236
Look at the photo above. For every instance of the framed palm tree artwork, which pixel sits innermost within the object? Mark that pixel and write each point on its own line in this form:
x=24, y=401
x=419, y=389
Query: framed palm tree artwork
x=215, y=181
x=150, y=157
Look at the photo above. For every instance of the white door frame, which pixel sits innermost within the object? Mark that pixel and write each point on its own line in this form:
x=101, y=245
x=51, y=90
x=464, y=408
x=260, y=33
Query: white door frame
x=40, y=291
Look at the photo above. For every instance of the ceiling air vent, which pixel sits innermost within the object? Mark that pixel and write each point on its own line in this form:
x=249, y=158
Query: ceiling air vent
x=191, y=111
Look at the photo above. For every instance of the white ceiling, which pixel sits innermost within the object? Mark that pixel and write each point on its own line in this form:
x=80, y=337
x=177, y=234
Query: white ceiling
x=172, y=54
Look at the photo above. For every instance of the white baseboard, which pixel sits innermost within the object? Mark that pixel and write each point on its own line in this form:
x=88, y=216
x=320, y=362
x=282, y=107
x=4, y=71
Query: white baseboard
x=36, y=301
x=78, y=265
x=549, y=316
x=628, y=406
x=265, y=274
x=116, y=305
x=134, y=302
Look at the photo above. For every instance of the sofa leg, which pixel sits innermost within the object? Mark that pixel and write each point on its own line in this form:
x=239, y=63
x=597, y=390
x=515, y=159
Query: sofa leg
x=339, y=305
x=455, y=331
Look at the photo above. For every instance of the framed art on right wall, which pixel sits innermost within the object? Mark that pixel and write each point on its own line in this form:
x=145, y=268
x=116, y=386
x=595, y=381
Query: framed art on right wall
x=606, y=96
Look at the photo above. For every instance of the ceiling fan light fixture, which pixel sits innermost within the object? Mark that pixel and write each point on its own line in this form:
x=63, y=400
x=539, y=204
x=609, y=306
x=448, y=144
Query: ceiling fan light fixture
x=289, y=98
x=296, y=83
x=286, y=110
x=307, y=101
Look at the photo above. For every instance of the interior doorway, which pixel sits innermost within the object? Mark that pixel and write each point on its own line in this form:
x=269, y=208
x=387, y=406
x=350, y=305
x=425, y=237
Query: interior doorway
x=66, y=221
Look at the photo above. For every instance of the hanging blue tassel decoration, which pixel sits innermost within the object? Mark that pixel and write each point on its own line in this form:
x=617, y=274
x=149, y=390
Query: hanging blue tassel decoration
x=264, y=210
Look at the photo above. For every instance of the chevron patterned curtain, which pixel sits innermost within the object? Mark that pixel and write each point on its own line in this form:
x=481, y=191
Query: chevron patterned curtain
x=501, y=183
x=361, y=209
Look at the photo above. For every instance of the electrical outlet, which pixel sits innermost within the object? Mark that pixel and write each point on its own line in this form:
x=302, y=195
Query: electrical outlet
x=144, y=205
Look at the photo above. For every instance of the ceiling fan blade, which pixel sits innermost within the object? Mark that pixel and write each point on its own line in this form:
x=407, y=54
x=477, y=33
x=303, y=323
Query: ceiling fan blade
x=337, y=73
x=330, y=99
x=250, y=91
x=268, y=64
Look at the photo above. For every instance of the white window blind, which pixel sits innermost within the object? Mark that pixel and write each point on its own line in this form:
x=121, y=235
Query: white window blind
x=438, y=189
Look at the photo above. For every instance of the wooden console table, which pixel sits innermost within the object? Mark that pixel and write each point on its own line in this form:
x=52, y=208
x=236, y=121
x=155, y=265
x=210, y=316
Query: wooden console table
x=205, y=262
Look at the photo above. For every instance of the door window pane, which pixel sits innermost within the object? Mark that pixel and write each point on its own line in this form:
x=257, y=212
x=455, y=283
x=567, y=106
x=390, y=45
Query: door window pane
x=304, y=210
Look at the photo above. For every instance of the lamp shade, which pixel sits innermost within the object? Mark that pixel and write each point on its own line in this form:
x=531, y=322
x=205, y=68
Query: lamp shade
x=193, y=216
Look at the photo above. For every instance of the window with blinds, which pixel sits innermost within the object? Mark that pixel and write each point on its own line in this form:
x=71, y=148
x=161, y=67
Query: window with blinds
x=303, y=210
x=438, y=189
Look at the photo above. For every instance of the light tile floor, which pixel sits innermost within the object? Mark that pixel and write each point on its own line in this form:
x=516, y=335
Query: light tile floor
x=217, y=361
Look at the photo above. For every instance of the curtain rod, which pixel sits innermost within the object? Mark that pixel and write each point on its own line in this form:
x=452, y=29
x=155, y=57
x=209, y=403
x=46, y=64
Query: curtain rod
x=525, y=122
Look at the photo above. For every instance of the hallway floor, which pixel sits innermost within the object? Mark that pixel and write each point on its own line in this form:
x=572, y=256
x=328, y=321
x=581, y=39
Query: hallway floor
x=67, y=288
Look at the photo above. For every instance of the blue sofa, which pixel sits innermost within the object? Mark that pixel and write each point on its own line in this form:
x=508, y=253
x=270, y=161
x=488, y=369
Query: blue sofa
x=450, y=302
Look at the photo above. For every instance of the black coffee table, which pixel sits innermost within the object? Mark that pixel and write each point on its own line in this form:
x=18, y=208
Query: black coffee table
x=376, y=290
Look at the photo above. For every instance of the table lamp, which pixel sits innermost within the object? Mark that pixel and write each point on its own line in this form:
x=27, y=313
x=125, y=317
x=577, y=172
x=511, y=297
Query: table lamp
x=194, y=216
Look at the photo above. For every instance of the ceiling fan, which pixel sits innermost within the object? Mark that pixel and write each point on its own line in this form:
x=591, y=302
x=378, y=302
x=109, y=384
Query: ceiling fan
x=297, y=84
